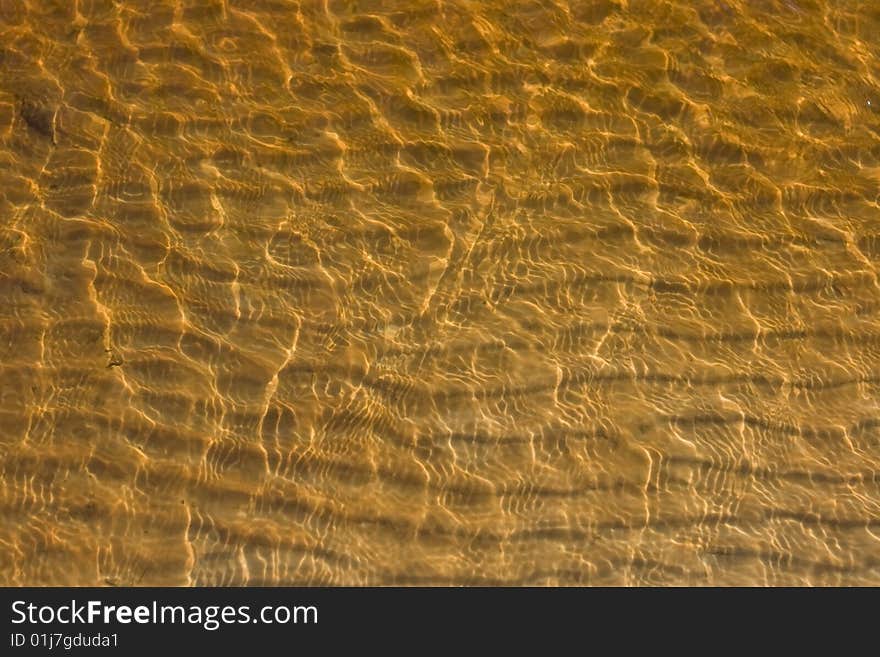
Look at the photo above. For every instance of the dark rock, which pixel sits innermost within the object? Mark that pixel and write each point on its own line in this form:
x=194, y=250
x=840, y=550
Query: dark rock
x=39, y=118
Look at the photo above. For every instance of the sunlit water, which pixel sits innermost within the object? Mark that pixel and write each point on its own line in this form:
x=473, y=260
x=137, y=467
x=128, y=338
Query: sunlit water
x=439, y=292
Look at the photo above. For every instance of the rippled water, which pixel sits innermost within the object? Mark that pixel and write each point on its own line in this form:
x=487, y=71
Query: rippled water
x=426, y=292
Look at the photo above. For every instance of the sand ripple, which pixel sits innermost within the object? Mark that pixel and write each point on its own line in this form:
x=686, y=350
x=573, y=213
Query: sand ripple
x=439, y=292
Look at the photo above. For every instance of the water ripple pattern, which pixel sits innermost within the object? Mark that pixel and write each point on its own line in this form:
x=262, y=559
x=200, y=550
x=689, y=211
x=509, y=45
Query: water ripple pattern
x=439, y=292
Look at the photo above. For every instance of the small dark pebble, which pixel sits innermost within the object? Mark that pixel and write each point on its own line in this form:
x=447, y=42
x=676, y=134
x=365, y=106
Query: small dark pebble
x=39, y=118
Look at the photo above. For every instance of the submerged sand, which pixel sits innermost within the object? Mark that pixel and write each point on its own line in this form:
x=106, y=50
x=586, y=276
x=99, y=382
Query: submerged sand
x=434, y=292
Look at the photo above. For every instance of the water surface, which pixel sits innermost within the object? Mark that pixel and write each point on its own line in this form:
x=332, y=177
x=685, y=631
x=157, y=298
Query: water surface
x=427, y=292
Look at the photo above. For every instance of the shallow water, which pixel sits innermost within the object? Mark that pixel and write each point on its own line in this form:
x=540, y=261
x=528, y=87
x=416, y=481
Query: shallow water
x=439, y=292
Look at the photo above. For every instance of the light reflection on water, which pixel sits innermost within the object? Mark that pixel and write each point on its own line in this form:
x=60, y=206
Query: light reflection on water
x=439, y=293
